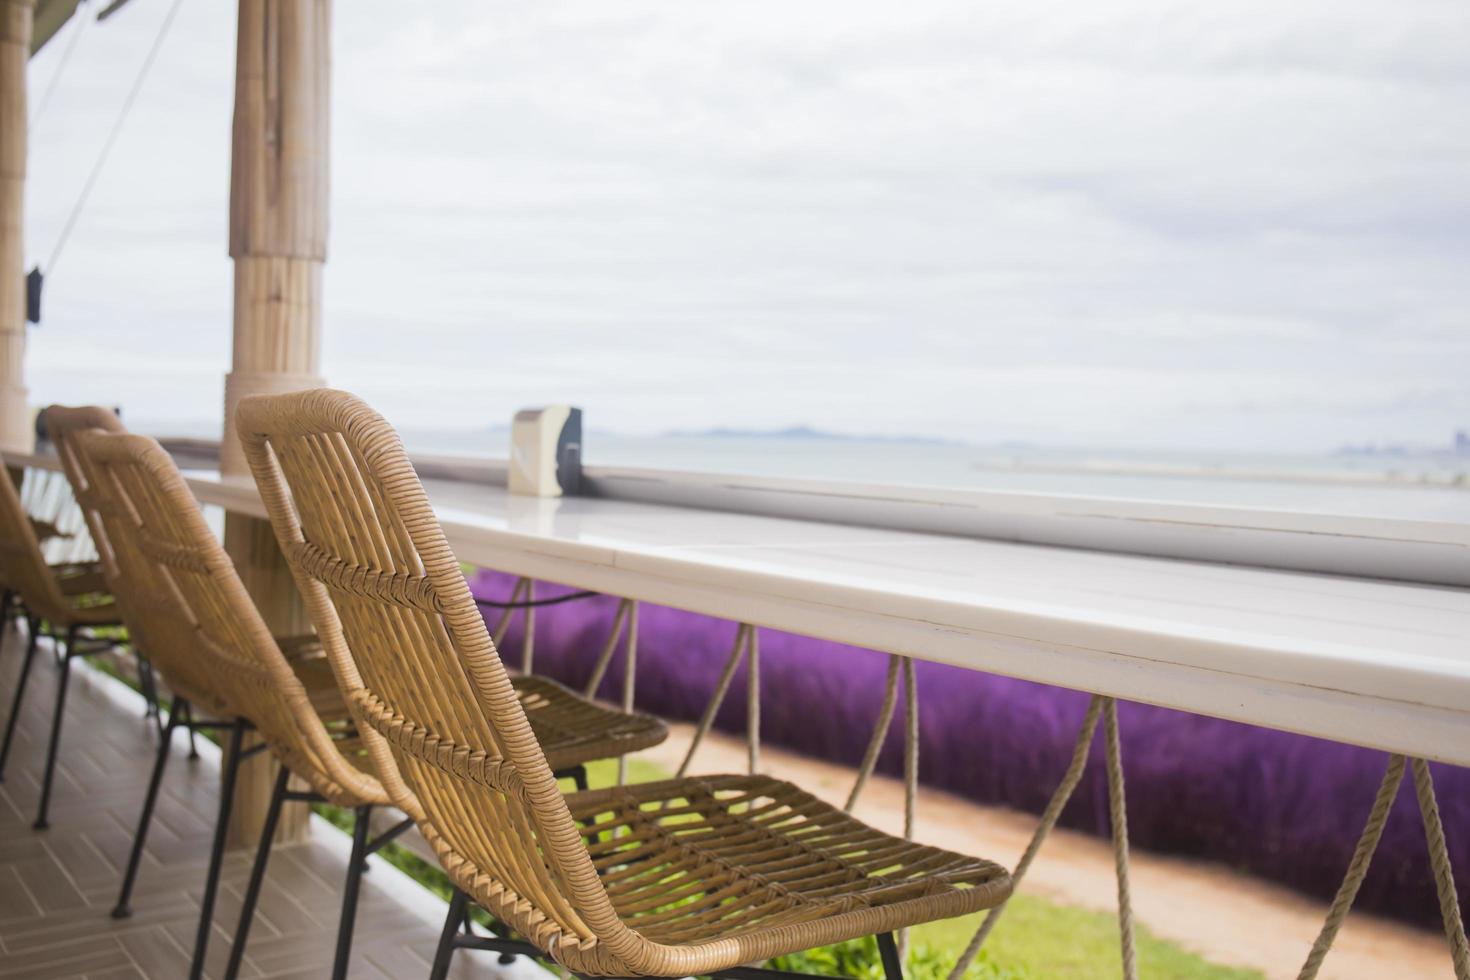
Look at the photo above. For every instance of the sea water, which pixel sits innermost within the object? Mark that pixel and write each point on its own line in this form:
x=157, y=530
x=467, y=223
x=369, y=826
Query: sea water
x=1414, y=486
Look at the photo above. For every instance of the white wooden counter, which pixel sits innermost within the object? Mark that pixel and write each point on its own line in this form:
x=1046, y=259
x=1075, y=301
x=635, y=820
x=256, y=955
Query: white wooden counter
x=1368, y=662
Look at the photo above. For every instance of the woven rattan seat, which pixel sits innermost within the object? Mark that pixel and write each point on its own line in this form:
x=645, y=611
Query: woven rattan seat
x=683, y=877
x=576, y=731
x=700, y=859
x=573, y=730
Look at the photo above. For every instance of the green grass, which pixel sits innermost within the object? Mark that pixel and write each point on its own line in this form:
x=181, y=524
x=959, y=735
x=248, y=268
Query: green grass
x=1037, y=940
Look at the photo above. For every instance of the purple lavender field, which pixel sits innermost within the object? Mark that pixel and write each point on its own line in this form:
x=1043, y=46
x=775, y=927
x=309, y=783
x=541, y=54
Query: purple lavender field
x=1284, y=807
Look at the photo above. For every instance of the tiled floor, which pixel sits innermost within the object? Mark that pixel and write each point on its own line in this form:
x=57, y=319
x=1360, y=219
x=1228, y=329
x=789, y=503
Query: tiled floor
x=57, y=886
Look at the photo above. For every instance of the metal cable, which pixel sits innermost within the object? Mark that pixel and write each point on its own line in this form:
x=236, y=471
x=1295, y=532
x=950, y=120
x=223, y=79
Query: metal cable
x=117, y=125
x=71, y=45
x=535, y=603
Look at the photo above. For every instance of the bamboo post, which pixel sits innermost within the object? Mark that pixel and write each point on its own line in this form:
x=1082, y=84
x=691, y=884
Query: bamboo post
x=278, y=236
x=15, y=50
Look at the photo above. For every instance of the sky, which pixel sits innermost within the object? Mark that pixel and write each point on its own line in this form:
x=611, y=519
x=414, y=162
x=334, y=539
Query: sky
x=1231, y=224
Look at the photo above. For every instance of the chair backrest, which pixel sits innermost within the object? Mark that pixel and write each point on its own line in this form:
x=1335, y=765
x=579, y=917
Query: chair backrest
x=47, y=498
x=390, y=600
x=185, y=593
x=153, y=617
x=23, y=565
x=62, y=423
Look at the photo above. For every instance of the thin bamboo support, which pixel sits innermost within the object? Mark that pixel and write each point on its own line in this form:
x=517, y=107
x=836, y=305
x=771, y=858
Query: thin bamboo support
x=15, y=51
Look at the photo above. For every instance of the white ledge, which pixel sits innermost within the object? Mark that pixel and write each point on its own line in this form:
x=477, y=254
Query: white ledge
x=1364, y=661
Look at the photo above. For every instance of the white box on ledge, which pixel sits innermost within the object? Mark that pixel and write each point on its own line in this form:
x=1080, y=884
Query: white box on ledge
x=546, y=451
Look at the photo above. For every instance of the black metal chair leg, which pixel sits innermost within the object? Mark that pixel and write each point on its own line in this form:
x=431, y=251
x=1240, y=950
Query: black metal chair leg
x=458, y=906
x=123, y=909
x=360, y=827
x=217, y=853
x=193, y=748
x=20, y=691
x=56, y=719
x=148, y=684
x=257, y=874
x=579, y=778
x=888, y=951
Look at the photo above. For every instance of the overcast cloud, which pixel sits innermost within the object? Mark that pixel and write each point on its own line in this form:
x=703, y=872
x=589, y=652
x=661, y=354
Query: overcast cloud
x=1123, y=223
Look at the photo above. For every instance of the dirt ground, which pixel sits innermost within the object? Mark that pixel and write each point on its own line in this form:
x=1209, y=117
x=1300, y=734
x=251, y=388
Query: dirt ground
x=1223, y=915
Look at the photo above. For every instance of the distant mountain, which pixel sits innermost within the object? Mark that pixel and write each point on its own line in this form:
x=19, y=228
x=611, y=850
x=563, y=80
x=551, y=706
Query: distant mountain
x=807, y=433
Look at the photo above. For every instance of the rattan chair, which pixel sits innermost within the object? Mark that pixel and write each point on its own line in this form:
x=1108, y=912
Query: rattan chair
x=184, y=595
x=69, y=602
x=674, y=878
x=160, y=540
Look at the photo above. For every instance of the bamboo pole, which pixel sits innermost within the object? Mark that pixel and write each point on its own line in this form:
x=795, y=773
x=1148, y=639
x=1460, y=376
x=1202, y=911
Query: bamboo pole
x=278, y=241
x=16, y=431
x=278, y=202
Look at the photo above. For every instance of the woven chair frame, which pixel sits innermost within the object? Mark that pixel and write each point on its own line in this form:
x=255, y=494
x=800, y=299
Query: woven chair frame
x=688, y=876
x=184, y=592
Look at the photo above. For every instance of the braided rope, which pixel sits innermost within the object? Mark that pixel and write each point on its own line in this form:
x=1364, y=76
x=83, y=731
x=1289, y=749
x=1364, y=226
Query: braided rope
x=498, y=634
x=753, y=698
x=910, y=769
x=1063, y=793
x=1357, y=868
x=718, y=698
x=528, y=640
x=1118, y=816
x=880, y=733
x=1444, y=876
x=910, y=746
x=630, y=673
x=422, y=743
x=599, y=670
x=401, y=588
